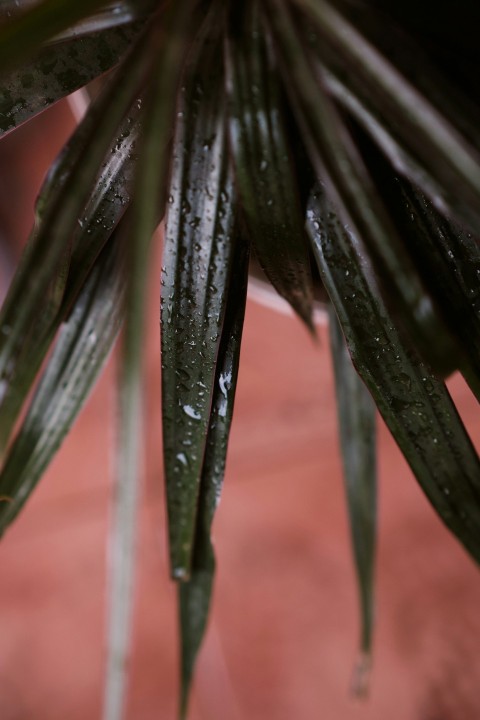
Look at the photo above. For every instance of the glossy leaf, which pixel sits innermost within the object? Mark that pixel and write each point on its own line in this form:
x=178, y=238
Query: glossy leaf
x=195, y=595
x=23, y=34
x=445, y=255
x=63, y=208
x=400, y=159
x=357, y=429
x=264, y=169
x=435, y=144
x=451, y=257
x=426, y=233
x=369, y=115
x=58, y=70
x=103, y=211
x=337, y=160
x=421, y=48
x=169, y=41
x=112, y=15
x=83, y=344
x=197, y=257
x=415, y=405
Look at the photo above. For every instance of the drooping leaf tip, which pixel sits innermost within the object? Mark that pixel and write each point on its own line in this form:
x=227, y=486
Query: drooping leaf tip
x=360, y=682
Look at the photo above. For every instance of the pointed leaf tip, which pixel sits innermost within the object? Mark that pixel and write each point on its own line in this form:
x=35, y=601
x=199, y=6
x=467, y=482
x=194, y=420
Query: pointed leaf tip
x=357, y=429
x=415, y=405
x=195, y=595
x=264, y=169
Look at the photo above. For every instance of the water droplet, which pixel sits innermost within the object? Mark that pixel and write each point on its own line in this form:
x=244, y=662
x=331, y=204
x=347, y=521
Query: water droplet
x=224, y=382
x=222, y=410
x=179, y=573
x=181, y=457
x=191, y=412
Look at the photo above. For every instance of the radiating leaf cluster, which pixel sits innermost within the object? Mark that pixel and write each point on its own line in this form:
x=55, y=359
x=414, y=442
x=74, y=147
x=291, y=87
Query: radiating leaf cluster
x=336, y=133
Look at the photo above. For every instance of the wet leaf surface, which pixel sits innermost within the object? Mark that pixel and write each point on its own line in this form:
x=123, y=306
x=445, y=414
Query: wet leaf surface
x=195, y=595
x=169, y=38
x=338, y=161
x=58, y=70
x=357, y=428
x=264, y=169
x=436, y=146
x=22, y=34
x=106, y=205
x=83, y=345
x=415, y=405
x=199, y=235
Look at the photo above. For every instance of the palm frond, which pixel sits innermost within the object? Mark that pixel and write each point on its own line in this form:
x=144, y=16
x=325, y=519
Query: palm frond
x=228, y=117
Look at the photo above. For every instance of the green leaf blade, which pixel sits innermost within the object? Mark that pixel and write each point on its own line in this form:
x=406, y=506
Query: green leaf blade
x=106, y=206
x=62, y=208
x=24, y=33
x=432, y=141
x=264, y=169
x=195, y=595
x=337, y=160
x=357, y=425
x=414, y=404
x=451, y=257
x=169, y=39
x=58, y=70
x=197, y=257
x=83, y=345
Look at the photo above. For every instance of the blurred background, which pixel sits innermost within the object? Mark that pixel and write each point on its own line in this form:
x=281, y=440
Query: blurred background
x=282, y=639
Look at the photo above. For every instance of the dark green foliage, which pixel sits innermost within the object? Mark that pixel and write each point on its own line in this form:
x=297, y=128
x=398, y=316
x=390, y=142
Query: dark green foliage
x=358, y=441
x=200, y=228
x=226, y=117
x=263, y=163
x=415, y=405
x=195, y=595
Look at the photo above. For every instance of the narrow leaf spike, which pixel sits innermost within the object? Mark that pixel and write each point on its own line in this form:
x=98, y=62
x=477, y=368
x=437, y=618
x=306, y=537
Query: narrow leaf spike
x=23, y=34
x=430, y=139
x=83, y=344
x=356, y=415
x=415, y=405
x=195, y=595
x=450, y=259
x=167, y=43
x=103, y=212
x=197, y=258
x=264, y=170
x=63, y=210
x=58, y=70
x=337, y=160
